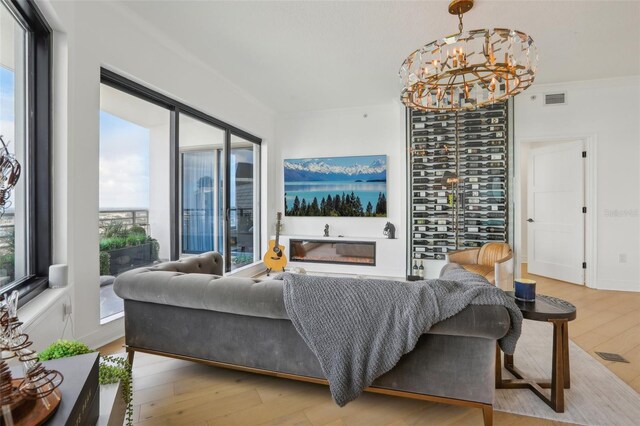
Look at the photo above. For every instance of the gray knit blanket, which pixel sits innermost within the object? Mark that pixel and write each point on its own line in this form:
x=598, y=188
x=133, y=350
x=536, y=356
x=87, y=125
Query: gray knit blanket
x=360, y=328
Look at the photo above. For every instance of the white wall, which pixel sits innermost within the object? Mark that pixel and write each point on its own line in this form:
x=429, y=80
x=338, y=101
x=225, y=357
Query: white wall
x=346, y=132
x=159, y=181
x=609, y=112
x=89, y=35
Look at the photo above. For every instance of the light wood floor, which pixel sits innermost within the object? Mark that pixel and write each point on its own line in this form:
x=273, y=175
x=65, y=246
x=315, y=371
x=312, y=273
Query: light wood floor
x=174, y=392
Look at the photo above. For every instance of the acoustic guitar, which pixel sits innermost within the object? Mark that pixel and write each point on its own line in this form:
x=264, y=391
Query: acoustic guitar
x=274, y=258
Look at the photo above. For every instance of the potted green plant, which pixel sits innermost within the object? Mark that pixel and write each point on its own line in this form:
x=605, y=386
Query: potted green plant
x=113, y=369
x=123, y=248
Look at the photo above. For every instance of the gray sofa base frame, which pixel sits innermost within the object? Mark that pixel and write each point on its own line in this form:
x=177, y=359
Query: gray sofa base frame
x=220, y=339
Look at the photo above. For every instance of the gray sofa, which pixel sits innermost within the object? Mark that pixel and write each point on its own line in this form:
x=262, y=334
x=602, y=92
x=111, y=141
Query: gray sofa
x=186, y=310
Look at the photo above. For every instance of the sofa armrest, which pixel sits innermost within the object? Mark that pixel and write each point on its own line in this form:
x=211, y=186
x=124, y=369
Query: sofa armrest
x=463, y=257
x=486, y=321
x=504, y=273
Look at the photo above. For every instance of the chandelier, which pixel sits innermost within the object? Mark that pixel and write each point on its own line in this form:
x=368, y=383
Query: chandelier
x=469, y=69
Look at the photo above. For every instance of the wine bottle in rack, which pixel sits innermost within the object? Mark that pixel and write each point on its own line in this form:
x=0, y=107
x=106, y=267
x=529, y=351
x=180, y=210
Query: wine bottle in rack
x=443, y=166
x=421, y=269
x=440, y=236
x=473, y=145
x=441, y=159
x=471, y=137
x=496, y=135
x=415, y=268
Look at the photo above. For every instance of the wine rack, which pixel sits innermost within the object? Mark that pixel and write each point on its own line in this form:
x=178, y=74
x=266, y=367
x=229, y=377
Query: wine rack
x=470, y=210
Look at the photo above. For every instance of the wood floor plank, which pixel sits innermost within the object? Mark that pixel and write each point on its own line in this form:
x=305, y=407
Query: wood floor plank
x=202, y=409
x=174, y=403
x=295, y=419
x=622, y=343
x=154, y=393
x=276, y=408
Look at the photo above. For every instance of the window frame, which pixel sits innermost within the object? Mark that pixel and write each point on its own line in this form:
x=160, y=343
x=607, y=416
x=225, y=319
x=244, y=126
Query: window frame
x=176, y=109
x=37, y=170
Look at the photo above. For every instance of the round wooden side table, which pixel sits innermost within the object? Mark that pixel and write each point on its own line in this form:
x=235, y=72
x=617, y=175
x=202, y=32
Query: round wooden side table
x=558, y=312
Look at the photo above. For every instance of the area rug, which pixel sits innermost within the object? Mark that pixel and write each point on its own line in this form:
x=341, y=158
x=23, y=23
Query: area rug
x=597, y=396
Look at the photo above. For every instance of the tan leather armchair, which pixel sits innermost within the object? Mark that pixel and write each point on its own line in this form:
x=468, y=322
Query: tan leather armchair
x=494, y=261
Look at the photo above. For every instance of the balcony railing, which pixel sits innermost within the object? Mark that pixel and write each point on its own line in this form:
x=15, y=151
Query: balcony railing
x=126, y=217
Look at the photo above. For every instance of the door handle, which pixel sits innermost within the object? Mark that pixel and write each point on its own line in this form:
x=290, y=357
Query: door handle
x=530, y=220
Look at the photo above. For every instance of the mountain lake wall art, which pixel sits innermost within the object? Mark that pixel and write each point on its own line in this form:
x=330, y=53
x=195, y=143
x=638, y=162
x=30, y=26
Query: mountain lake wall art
x=336, y=186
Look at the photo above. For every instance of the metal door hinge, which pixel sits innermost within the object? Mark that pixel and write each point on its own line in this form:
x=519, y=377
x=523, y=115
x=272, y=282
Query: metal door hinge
x=584, y=154
x=584, y=210
x=584, y=265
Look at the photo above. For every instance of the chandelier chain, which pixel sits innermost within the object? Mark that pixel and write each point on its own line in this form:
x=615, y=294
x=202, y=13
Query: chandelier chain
x=460, y=19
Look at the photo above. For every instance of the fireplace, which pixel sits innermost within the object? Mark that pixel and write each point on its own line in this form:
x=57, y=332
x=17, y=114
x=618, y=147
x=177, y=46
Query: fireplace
x=333, y=251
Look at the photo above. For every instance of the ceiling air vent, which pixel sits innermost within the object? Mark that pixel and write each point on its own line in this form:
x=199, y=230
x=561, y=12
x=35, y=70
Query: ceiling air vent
x=555, y=98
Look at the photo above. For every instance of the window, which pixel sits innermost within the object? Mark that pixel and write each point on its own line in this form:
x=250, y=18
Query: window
x=134, y=200
x=25, y=246
x=208, y=200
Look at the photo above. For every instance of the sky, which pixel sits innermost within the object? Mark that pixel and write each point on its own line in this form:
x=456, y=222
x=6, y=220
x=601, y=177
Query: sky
x=124, y=163
x=7, y=115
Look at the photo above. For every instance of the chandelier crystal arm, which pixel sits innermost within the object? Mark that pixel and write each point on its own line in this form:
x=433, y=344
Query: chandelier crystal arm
x=469, y=69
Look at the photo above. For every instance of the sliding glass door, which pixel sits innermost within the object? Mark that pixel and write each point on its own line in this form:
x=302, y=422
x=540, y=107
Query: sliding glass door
x=186, y=179
x=208, y=220
x=243, y=202
x=200, y=186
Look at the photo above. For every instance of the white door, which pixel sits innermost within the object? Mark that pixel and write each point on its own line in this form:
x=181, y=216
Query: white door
x=555, y=198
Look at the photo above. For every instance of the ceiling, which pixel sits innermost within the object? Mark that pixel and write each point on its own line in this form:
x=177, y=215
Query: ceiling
x=311, y=55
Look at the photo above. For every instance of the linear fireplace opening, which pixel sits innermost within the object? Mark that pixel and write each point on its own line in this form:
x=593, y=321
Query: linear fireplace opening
x=333, y=251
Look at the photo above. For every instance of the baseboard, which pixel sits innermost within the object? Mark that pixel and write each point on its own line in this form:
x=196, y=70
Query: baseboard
x=107, y=333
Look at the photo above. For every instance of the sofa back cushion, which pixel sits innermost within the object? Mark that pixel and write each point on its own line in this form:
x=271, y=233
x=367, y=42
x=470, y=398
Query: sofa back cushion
x=205, y=263
x=165, y=284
